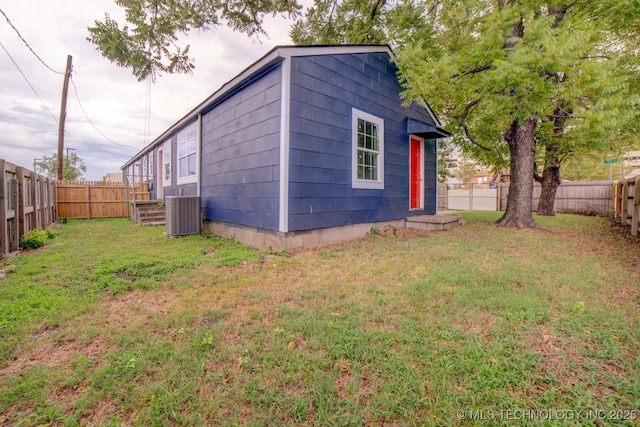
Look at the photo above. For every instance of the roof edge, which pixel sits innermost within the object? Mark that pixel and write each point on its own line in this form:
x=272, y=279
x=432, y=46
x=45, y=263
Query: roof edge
x=277, y=53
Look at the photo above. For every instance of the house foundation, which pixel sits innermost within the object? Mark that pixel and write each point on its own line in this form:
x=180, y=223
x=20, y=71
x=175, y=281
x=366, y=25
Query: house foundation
x=264, y=239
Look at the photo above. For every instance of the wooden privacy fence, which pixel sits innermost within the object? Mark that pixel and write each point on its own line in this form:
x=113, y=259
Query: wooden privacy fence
x=97, y=199
x=580, y=197
x=27, y=201
x=626, y=203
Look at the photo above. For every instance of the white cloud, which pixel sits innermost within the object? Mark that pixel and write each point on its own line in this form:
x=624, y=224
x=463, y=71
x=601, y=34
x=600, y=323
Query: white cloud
x=112, y=97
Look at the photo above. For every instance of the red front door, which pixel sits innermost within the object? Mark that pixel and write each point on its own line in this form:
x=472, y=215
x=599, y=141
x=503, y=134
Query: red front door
x=415, y=174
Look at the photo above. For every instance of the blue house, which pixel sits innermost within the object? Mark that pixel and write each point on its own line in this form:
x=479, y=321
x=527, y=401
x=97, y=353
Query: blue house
x=307, y=146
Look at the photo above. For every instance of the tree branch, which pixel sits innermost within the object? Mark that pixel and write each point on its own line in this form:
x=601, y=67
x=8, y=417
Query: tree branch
x=596, y=57
x=560, y=13
x=377, y=6
x=476, y=70
x=463, y=124
x=536, y=175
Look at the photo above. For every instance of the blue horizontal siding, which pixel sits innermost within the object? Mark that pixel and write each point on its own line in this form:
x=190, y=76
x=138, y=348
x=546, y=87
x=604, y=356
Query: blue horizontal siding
x=240, y=155
x=181, y=190
x=324, y=89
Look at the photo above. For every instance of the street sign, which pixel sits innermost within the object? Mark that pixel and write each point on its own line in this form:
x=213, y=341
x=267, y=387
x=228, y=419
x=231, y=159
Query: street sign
x=610, y=161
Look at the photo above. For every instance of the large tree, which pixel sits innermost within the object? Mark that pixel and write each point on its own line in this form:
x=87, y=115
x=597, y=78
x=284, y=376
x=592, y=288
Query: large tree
x=596, y=100
x=535, y=76
x=148, y=42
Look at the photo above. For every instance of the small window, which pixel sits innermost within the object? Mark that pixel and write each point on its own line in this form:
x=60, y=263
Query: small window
x=144, y=168
x=137, y=173
x=166, y=164
x=187, y=147
x=368, y=151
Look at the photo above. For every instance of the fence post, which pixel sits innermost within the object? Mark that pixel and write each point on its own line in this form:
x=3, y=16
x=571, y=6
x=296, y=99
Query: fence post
x=88, y=199
x=4, y=238
x=22, y=203
x=614, y=204
x=619, y=201
x=446, y=197
x=624, y=199
x=636, y=207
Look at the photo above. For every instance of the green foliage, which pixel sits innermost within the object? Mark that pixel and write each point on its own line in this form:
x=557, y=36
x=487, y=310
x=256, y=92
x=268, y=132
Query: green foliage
x=345, y=22
x=466, y=170
x=362, y=22
x=444, y=151
x=149, y=44
x=35, y=238
x=73, y=167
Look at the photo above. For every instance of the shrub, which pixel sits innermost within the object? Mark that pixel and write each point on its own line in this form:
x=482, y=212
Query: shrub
x=34, y=239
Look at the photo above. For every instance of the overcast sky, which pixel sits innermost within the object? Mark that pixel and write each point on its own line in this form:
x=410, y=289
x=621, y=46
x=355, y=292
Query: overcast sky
x=113, y=100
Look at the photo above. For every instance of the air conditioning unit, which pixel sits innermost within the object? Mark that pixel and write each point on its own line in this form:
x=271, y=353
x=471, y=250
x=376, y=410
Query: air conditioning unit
x=182, y=215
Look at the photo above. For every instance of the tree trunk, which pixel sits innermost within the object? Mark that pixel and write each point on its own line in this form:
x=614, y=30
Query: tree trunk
x=550, y=181
x=521, y=140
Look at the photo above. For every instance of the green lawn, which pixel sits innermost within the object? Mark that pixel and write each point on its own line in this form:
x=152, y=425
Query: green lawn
x=112, y=324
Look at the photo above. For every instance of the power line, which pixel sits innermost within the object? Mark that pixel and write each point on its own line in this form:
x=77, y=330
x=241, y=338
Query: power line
x=105, y=151
x=47, y=108
x=28, y=82
x=27, y=44
x=75, y=88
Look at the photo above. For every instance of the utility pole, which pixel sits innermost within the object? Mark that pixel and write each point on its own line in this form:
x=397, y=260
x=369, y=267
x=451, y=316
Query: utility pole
x=63, y=116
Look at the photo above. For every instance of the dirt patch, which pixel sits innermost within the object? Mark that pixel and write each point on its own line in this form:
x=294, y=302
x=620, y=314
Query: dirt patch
x=480, y=325
x=630, y=294
x=564, y=362
x=556, y=354
x=137, y=308
x=57, y=347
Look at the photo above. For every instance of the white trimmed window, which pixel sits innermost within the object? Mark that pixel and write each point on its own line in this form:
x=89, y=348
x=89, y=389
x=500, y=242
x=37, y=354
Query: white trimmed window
x=137, y=173
x=187, y=155
x=166, y=164
x=368, y=150
x=145, y=172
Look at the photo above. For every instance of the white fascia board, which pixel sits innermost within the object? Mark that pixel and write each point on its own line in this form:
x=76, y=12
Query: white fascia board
x=290, y=51
x=285, y=110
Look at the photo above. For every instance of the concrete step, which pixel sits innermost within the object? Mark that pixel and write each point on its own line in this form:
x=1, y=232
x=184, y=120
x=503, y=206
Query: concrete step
x=433, y=222
x=152, y=214
x=151, y=223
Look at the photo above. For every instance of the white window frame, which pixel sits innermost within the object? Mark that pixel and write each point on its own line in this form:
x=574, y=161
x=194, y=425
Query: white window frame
x=145, y=170
x=137, y=172
x=377, y=184
x=166, y=161
x=182, y=139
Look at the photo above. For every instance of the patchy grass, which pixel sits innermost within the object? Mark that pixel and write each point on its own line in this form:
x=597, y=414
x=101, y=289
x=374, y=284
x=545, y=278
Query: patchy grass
x=113, y=324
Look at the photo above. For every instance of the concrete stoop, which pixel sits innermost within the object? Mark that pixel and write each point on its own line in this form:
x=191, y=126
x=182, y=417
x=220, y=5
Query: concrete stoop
x=433, y=222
